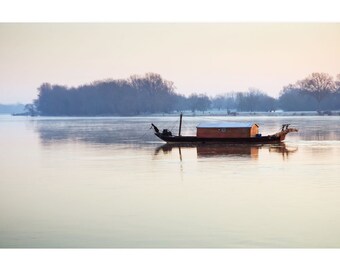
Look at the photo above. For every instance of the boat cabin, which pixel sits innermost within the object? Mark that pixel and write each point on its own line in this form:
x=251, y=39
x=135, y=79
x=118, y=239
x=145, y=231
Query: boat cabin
x=227, y=130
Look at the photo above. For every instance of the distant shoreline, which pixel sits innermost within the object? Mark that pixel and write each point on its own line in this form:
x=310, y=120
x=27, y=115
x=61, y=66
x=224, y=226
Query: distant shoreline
x=214, y=113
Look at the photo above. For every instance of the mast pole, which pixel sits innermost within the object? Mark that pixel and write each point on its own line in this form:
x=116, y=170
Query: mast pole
x=180, y=124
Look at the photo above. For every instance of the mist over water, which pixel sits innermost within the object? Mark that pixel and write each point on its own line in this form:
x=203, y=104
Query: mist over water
x=109, y=182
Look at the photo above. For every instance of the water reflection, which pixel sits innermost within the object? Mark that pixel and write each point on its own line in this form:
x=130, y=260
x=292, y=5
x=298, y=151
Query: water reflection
x=220, y=150
x=136, y=130
x=137, y=134
x=283, y=149
x=321, y=135
x=91, y=182
x=94, y=131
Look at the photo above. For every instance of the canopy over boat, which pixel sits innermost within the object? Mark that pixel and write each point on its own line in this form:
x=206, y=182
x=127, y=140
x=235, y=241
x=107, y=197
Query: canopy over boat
x=226, y=125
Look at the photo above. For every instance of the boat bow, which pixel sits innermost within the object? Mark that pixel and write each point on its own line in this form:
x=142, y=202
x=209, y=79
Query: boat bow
x=284, y=131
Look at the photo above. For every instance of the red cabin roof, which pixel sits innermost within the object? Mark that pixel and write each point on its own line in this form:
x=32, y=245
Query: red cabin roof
x=226, y=125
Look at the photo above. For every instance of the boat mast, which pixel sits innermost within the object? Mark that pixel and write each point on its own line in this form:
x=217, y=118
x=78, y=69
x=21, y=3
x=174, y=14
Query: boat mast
x=180, y=124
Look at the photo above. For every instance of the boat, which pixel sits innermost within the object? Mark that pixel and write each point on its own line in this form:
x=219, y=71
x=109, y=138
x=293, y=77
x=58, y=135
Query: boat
x=223, y=132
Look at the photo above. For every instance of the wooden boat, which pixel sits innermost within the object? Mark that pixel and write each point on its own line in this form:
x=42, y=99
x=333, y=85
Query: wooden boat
x=224, y=132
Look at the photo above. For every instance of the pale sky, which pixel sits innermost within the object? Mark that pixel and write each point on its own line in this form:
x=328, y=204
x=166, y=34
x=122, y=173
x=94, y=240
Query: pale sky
x=209, y=58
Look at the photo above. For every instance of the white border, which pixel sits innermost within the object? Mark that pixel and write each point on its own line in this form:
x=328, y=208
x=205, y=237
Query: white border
x=169, y=11
x=170, y=259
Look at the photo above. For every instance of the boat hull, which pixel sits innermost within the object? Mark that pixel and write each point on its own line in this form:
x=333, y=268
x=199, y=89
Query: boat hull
x=197, y=140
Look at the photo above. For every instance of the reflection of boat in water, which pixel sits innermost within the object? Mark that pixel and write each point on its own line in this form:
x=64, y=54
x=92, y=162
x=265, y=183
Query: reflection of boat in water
x=218, y=150
x=224, y=132
x=282, y=149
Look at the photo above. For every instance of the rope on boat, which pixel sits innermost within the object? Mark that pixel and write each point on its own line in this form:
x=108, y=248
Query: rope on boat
x=171, y=129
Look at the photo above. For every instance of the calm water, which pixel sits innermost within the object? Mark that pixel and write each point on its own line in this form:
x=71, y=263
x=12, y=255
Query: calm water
x=109, y=182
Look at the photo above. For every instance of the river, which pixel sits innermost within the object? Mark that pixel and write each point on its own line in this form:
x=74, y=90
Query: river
x=109, y=182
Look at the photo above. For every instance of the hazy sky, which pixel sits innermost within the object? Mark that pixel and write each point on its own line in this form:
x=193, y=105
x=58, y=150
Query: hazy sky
x=205, y=58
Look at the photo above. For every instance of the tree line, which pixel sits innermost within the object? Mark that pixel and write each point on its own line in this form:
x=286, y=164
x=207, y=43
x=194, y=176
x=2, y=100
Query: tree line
x=152, y=94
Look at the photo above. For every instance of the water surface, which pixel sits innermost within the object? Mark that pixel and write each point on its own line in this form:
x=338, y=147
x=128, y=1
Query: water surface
x=109, y=182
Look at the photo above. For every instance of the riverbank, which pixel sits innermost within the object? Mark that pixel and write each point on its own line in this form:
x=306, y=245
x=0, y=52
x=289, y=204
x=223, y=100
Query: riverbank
x=209, y=113
x=235, y=113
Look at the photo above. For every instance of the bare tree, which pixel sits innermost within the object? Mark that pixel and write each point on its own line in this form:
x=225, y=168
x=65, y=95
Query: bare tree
x=199, y=102
x=30, y=109
x=318, y=85
x=218, y=101
x=337, y=83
